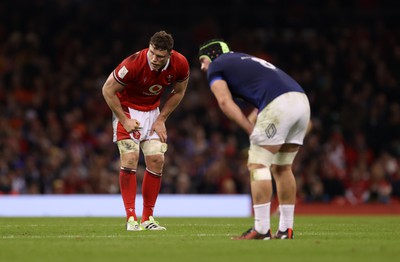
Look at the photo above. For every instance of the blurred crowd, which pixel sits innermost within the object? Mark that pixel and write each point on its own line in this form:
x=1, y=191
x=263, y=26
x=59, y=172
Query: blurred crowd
x=55, y=127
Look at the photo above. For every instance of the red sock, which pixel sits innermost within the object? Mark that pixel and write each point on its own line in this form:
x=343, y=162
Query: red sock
x=150, y=189
x=127, y=184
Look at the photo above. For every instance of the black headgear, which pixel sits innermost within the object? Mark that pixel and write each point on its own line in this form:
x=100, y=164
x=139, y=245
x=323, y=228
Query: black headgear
x=213, y=48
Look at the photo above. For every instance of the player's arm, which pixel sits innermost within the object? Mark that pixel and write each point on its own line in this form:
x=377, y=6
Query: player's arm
x=172, y=102
x=110, y=89
x=174, y=99
x=253, y=116
x=229, y=107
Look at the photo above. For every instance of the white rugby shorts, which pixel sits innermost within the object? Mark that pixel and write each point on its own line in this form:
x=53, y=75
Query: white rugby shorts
x=146, y=120
x=283, y=121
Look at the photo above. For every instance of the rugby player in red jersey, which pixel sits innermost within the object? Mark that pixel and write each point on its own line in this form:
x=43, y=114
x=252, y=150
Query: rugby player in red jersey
x=133, y=93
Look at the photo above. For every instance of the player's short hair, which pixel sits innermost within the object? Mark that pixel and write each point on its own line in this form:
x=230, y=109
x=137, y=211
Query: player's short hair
x=162, y=41
x=213, y=48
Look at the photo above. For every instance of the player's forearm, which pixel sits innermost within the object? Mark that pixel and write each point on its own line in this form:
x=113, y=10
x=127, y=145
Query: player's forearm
x=114, y=104
x=173, y=100
x=170, y=105
x=252, y=117
x=233, y=112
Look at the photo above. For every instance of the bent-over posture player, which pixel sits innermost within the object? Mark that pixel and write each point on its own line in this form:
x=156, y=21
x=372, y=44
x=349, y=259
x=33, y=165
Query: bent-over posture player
x=276, y=128
x=133, y=93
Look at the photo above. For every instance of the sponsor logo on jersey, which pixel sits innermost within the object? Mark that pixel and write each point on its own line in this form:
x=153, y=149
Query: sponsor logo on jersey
x=153, y=90
x=122, y=72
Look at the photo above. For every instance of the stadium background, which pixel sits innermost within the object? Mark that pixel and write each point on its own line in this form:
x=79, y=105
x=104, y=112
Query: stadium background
x=55, y=135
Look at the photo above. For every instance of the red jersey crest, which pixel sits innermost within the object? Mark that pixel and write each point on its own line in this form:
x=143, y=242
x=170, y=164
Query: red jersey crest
x=136, y=134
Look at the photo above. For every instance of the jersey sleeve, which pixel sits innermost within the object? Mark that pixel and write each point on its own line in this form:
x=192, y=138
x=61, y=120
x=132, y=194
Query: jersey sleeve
x=214, y=73
x=124, y=72
x=183, y=69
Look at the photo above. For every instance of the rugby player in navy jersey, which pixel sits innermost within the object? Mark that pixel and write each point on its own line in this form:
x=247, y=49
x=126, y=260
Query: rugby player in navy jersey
x=276, y=128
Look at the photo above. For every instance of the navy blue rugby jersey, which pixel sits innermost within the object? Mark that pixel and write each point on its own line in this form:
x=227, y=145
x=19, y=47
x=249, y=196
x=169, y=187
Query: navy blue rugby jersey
x=250, y=78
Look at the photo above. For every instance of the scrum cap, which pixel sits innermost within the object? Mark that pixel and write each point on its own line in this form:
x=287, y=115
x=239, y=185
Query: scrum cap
x=213, y=48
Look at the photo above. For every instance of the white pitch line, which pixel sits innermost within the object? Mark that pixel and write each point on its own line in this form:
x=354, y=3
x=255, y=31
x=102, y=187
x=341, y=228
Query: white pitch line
x=111, y=236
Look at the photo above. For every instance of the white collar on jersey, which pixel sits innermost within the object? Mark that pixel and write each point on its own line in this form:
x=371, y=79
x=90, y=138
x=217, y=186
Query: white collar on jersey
x=148, y=62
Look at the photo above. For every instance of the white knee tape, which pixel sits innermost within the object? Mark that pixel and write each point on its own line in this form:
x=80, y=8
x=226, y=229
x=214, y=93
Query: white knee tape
x=284, y=158
x=260, y=155
x=260, y=174
x=127, y=146
x=153, y=147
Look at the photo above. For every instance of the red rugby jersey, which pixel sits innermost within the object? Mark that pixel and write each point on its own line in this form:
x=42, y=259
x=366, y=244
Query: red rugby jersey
x=144, y=87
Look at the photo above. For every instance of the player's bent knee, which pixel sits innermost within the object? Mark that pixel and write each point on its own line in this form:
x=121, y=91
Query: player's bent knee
x=284, y=158
x=154, y=147
x=260, y=174
x=155, y=161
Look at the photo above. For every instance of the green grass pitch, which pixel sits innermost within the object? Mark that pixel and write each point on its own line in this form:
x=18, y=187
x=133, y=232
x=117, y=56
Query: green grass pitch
x=317, y=238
